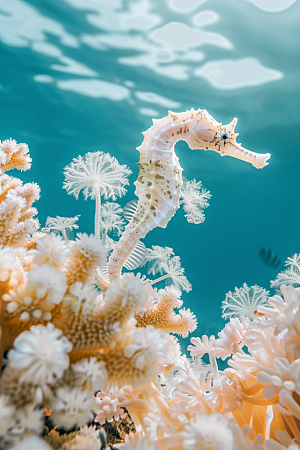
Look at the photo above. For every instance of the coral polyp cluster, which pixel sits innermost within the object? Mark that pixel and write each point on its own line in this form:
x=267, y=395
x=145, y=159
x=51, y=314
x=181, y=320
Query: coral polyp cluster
x=90, y=358
x=16, y=214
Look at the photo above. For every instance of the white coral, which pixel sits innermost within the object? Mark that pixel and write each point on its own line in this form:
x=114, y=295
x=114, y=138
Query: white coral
x=90, y=246
x=188, y=322
x=31, y=442
x=291, y=275
x=156, y=256
x=14, y=230
x=100, y=169
x=29, y=418
x=10, y=146
x=231, y=338
x=148, y=344
x=11, y=269
x=244, y=302
x=50, y=249
x=195, y=200
x=281, y=375
x=285, y=313
x=61, y=224
x=207, y=433
x=173, y=355
x=110, y=405
x=111, y=219
x=191, y=395
x=172, y=268
x=47, y=282
x=72, y=407
x=202, y=346
x=42, y=353
x=242, y=439
x=129, y=289
x=171, y=295
x=82, y=297
x=91, y=373
x=137, y=441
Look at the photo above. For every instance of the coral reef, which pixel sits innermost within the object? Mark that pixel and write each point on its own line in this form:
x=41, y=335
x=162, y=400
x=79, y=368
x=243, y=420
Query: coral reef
x=90, y=357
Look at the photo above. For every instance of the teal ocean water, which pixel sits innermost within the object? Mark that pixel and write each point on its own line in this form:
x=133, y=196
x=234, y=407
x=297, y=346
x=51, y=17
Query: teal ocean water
x=88, y=75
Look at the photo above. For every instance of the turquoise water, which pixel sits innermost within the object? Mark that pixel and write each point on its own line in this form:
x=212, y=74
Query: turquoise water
x=87, y=75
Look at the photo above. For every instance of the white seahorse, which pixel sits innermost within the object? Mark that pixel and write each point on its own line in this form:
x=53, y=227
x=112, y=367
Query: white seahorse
x=159, y=181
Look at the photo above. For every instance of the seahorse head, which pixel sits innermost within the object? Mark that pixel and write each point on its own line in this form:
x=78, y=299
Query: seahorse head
x=207, y=134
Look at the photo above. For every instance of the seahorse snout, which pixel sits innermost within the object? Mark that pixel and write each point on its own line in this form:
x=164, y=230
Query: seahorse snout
x=236, y=151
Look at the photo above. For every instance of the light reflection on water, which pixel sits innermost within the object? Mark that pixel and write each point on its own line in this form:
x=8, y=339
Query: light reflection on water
x=83, y=75
x=158, y=42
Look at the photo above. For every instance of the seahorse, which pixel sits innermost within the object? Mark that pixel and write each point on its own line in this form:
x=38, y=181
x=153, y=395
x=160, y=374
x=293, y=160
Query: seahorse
x=159, y=182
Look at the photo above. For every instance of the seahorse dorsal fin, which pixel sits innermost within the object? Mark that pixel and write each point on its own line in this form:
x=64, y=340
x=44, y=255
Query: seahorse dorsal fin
x=130, y=209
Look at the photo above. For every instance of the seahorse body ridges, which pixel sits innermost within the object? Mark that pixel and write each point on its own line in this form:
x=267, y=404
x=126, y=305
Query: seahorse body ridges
x=159, y=182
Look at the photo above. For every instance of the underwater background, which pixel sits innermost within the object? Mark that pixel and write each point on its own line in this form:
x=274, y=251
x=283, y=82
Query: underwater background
x=78, y=76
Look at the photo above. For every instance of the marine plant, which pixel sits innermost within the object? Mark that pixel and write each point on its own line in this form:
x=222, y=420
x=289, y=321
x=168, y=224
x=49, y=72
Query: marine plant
x=90, y=356
x=96, y=174
x=244, y=301
x=61, y=224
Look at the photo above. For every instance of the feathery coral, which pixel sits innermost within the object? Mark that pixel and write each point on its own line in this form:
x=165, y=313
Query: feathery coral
x=96, y=174
x=291, y=275
x=194, y=200
x=111, y=219
x=98, y=169
x=61, y=224
x=157, y=255
x=172, y=268
x=244, y=301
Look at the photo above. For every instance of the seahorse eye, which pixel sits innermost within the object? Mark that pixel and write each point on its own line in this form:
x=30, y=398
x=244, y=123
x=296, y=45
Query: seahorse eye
x=225, y=136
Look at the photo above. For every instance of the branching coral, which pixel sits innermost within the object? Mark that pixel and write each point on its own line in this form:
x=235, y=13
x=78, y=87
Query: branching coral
x=156, y=256
x=96, y=174
x=14, y=156
x=161, y=314
x=194, y=200
x=16, y=199
x=163, y=261
x=111, y=219
x=61, y=224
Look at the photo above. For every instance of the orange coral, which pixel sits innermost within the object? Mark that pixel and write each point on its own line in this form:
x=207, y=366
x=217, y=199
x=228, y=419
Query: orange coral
x=86, y=255
x=16, y=211
x=161, y=314
x=15, y=156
